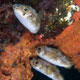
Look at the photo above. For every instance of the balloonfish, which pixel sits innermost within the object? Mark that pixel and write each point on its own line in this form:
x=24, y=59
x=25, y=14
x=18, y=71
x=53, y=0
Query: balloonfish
x=46, y=68
x=53, y=56
x=27, y=16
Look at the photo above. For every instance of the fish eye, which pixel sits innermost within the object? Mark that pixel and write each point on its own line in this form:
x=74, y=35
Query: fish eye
x=25, y=9
x=39, y=48
x=36, y=62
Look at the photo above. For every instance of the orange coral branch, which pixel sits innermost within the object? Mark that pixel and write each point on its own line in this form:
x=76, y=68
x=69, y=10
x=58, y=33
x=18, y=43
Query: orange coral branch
x=69, y=41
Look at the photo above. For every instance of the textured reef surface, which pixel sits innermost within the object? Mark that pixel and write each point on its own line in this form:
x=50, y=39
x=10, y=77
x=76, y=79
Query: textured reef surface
x=17, y=44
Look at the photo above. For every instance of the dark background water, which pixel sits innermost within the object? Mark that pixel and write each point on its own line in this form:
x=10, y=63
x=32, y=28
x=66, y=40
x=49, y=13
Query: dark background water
x=68, y=74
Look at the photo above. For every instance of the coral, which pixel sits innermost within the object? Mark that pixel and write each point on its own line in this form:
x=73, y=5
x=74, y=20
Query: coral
x=17, y=45
x=16, y=73
x=69, y=40
x=18, y=55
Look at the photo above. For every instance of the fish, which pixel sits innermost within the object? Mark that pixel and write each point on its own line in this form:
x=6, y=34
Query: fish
x=46, y=68
x=27, y=16
x=54, y=56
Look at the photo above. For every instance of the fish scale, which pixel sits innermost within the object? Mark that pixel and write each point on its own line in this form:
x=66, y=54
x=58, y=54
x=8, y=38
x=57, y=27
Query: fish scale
x=28, y=17
x=54, y=56
x=46, y=68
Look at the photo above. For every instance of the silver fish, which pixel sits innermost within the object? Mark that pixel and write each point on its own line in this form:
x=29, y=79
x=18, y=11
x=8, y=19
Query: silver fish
x=46, y=68
x=27, y=16
x=53, y=56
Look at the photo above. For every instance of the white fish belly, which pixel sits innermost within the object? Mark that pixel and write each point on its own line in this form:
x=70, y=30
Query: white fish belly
x=60, y=60
x=42, y=68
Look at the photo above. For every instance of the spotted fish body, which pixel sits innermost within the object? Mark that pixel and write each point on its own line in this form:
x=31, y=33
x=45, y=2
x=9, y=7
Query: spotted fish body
x=27, y=16
x=54, y=56
x=46, y=68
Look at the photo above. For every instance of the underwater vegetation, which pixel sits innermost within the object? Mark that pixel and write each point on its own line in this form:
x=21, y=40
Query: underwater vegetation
x=17, y=44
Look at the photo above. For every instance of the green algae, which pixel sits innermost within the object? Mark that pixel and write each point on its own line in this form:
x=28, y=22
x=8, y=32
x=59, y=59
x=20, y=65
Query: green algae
x=56, y=14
